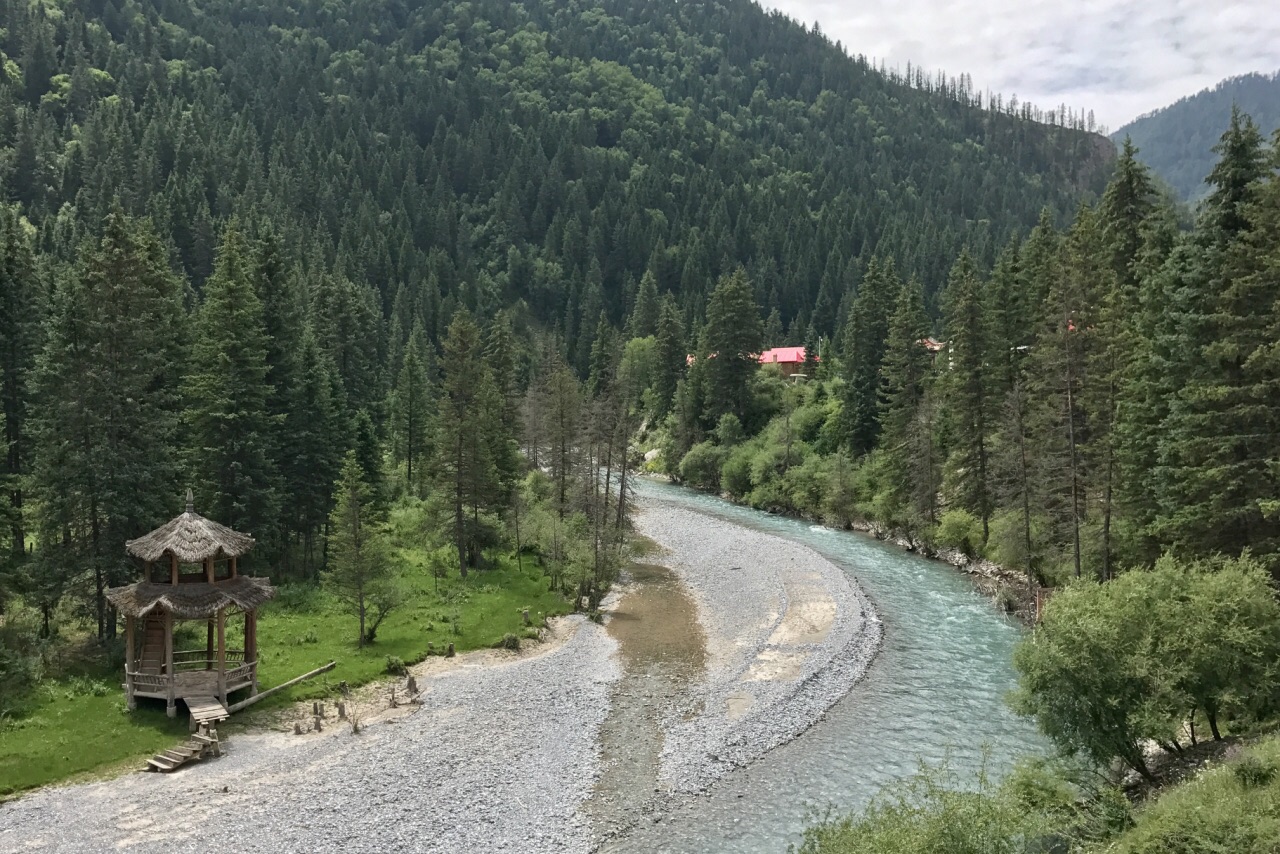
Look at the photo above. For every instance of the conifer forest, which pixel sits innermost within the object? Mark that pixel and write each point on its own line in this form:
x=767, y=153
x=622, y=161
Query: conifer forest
x=418, y=292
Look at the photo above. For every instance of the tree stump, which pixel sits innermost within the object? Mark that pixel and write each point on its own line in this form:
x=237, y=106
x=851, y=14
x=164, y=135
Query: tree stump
x=319, y=727
x=448, y=653
x=297, y=727
x=342, y=710
x=413, y=685
x=524, y=612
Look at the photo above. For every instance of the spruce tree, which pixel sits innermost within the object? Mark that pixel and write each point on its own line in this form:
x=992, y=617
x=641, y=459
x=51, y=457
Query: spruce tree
x=731, y=348
x=411, y=410
x=227, y=398
x=315, y=449
x=20, y=315
x=105, y=410
x=1213, y=481
x=968, y=394
x=644, y=317
x=864, y=347
x=907, y=440
x=673, y=355
x=360, y=572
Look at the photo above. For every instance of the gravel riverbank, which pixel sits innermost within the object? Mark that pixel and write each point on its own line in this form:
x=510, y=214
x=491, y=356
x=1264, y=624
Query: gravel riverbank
x=788, y=634
x=500, y=759
x=507, y=749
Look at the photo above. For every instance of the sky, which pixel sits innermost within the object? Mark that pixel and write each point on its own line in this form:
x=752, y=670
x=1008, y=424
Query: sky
x=1119, y=58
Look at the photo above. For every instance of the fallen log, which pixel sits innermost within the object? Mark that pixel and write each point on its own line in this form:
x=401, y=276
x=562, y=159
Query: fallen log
x=235, y=707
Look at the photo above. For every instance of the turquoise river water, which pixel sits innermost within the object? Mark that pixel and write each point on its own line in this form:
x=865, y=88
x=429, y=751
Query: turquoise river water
x=936, y=690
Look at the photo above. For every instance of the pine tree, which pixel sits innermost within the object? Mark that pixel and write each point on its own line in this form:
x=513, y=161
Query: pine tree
x=360, y=572
x=411, y=410
x=907, y=439
x=105, y=409
x=644, y=317
x=463, y=468
x=20, y=310
x=1212, y=481
x=864, y=347
x=731, y=348
x=968, y=393
x=673, y=355
x=227, y=397
x=316, y=440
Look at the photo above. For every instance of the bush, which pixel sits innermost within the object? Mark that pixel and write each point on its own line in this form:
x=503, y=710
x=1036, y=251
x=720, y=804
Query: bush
x=700, y=468
x=396, y=666
x=509, y=641
x=960, y=529
x=735, y=474
x=1252, y=772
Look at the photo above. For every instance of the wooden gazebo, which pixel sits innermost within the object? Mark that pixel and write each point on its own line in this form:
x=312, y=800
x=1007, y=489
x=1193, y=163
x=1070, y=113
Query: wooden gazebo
x=167, y=594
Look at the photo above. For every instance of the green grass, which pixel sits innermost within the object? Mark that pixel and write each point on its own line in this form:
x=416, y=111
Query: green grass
x=314, y=629
x=65, y=736
x=74, y=726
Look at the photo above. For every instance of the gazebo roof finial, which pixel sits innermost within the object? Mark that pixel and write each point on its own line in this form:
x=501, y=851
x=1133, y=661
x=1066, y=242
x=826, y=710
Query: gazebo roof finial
x=191, y=501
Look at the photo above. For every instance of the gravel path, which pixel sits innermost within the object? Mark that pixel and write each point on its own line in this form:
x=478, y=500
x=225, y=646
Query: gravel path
x=500, y=759
x=788, y=635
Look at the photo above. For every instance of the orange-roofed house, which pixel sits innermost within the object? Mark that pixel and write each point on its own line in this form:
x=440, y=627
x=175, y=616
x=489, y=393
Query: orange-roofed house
x=789, y=359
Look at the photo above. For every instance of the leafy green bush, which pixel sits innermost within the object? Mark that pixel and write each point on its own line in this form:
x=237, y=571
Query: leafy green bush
x=700, y=468
x=1253, y=772
x=396, y=666
x=960, y=529
x=509, y=641
x=735, y=474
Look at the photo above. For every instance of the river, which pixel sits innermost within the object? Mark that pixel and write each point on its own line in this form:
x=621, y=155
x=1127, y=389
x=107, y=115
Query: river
x=936, y=690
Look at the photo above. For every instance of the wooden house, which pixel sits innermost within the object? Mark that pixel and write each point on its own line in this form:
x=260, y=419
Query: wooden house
x=190, y=575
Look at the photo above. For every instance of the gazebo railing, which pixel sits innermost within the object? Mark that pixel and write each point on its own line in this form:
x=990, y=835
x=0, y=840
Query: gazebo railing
x=198, y=659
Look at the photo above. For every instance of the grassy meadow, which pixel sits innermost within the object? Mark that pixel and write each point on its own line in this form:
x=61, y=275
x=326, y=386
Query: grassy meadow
x=77, y=725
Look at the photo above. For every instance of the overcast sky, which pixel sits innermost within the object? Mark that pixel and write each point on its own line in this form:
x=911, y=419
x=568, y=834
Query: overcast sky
x=1120, y=58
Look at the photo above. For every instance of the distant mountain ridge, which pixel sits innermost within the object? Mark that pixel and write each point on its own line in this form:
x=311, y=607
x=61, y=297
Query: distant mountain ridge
x=1177, y=141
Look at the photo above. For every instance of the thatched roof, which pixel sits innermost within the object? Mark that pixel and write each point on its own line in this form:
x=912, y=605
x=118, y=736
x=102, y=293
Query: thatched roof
x=192, y=538
x=193, y=601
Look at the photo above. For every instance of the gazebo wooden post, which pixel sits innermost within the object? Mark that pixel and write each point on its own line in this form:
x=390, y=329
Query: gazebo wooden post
x=222, y=655
x=251, y=648
x=130, y=702
x=233, y=568
x=208, y=646
x=173, y=568
x=170, y=709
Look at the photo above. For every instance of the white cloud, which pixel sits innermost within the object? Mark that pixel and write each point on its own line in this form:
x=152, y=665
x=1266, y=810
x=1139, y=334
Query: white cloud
x=1119, y=58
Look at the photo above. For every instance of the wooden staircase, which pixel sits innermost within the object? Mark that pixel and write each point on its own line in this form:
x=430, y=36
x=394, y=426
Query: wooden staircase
x=151, y=658
x=206, y=712
x=198, y=746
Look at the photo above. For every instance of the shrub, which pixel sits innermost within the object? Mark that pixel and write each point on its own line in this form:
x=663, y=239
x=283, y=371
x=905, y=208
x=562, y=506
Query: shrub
x=1253, y=772
x=960, y=529
x=735, y=474
x=396, y=666
x=509, y=641
x=700, y=468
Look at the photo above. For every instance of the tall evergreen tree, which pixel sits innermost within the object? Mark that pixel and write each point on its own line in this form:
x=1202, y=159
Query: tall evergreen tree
x=316, y=441
x=227, y=398
x=1212, y=481
x=968, y=384
x=411, y=410
x=20, y=314
x=864, y=347
x=105, y=411
x=673, y=354
x=907, y=438
x=731, y=347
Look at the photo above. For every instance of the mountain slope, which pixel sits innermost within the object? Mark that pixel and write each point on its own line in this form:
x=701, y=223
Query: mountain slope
x=1177, y=141
x=486, y=151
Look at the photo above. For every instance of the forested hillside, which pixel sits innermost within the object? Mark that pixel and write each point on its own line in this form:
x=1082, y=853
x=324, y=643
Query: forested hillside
x=1177, y=141
x=239, y=234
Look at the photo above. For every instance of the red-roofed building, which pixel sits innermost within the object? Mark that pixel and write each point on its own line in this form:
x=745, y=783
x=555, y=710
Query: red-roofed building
x=789, y=359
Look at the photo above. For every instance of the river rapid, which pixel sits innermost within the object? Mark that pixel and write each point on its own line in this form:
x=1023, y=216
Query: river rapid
x=935, y=691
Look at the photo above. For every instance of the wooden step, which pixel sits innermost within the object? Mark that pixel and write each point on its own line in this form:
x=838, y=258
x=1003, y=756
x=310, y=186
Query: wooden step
x=161, y=763
x=201, y=738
